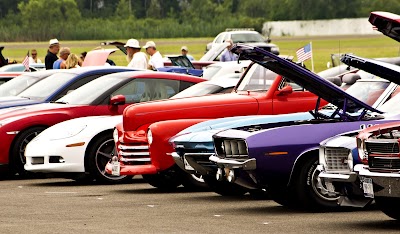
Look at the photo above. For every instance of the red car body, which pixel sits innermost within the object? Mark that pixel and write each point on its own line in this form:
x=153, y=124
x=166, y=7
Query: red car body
x=132, y=145
x=16, y=121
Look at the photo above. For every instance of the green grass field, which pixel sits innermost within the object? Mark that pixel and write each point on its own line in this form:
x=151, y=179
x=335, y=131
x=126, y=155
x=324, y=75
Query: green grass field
x=364, y=46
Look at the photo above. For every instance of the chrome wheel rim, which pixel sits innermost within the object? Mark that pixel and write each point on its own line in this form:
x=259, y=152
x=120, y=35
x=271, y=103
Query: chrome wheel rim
x=103, y=155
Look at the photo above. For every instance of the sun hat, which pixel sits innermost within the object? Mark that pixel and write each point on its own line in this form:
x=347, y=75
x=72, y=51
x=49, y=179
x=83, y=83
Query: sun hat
x=184, y=48
x=149, y=44
x=132, y=43
x=53, y=41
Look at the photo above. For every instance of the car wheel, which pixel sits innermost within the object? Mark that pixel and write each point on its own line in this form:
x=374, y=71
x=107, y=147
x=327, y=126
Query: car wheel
x=17, y=156
x=100, y=151
x=311, y=191
x=194, y=181
x=389, y=205
x=224, y=188
x=167, y=180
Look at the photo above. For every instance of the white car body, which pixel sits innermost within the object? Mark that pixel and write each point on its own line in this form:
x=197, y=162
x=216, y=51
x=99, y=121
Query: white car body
x=69, y=140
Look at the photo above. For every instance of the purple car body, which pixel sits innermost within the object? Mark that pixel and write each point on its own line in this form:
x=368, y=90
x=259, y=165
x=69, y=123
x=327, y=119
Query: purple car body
x=283, y=159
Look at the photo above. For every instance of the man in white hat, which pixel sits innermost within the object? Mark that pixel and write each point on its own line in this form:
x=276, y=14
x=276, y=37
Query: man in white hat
x=135, y=58
x=156, y=60
x=51, y=56
x=185, y=52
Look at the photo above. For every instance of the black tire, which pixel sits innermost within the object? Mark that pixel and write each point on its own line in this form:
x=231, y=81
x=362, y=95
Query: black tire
x=309, y=190
x=194, y=182
x=390, y=206
x=99, y=152
x=17, y=153
x=224, y=188
x=167, y=180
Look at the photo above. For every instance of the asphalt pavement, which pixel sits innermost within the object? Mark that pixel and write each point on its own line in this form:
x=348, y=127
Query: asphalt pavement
x=64, y=206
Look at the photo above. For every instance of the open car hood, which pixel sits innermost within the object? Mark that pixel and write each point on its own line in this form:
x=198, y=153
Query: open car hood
x=119, y=45
x=386, y=23
x=97, y=57
x=181, y=61
x=305, y=78
x=384, y=70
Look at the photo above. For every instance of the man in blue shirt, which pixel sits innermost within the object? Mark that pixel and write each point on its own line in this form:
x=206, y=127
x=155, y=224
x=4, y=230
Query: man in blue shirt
x=227, y=55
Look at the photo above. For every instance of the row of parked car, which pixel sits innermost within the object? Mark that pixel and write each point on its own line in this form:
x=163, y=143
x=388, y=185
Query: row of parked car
x=274, y=132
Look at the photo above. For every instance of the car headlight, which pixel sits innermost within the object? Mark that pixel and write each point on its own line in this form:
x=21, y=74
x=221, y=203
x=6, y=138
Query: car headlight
x=149, y=137
x=115, y=135
x=63, y=132
x=350, y=163
x=362, y=151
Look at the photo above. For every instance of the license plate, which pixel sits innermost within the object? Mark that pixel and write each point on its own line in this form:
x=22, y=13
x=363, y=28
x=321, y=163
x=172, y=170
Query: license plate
x=116, y=169
x=368, y=188
x=187, y=165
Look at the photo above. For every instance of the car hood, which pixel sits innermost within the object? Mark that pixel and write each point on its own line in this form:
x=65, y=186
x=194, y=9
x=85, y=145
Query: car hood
x=6, y=102
x=97, y=57
x=307, y=79
x=213, y=53
x=384, y=70
x=386, y=23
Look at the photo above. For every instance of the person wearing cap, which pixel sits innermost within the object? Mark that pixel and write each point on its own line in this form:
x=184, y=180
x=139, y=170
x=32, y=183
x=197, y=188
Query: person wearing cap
x=156, y=60
x=135, y=58
x=185, y=52
x=60, y=63
x=51, y=56
x=227, y=55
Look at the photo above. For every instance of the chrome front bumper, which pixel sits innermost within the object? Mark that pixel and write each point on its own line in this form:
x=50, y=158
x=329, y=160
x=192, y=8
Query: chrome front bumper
x=247, y=165
x=337, y=177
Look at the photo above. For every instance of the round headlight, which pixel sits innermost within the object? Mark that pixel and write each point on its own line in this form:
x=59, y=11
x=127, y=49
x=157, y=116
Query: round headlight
x=115, y=135
x=149, y=137
x=350, y=163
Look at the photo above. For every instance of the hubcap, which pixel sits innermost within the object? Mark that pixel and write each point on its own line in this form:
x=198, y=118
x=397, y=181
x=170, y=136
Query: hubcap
x=320, y=189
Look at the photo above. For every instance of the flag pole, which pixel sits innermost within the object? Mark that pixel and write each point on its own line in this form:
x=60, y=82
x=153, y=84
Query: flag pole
x=312, y=60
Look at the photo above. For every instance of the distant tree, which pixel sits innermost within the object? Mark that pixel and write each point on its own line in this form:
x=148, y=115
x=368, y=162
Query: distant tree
x=123, y=9
x=154, y=10
x=42, y=21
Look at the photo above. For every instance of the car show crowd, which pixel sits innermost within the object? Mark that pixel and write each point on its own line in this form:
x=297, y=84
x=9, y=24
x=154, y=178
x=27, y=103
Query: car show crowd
x=247, y=120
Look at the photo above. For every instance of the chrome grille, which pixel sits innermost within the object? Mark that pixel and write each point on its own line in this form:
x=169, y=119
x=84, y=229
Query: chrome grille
x=134, y=154
x=382, y=147
x=384, y=163
x=336, y=159
x=232, y=148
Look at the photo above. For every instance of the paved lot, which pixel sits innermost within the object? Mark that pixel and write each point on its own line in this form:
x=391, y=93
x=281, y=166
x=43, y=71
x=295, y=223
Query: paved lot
x=63, y=206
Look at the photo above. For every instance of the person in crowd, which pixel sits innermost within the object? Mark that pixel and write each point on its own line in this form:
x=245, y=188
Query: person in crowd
x=60, y=63
x=51, y=56
x=227, y=55
x=82, y=57
x=156, y=60
x=185, y=52
x=34, y=58
x=135, y=57
x=72, y=61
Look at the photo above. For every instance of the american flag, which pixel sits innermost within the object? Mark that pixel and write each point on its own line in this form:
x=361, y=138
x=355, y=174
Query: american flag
x=304, y=53
x=26, y=62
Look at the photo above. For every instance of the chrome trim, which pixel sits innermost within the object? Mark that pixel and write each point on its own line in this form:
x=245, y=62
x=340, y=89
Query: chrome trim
x=363, y=170
x=137, y=147
x=248, y=164
x=178, y=160
x=12, y=133
x=134, y=153
x=134, y=159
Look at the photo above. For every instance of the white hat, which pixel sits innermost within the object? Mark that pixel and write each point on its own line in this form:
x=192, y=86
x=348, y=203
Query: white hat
x=53, y=41
x=149, y=44
x=132, y=43
x=184, y=48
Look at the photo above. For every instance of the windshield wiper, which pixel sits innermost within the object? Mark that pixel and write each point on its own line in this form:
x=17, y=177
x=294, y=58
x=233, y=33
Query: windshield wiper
x=60, y=102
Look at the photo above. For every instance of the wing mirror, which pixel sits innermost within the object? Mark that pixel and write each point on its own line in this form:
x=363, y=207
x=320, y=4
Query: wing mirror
x=285, y=91
x=117, y=100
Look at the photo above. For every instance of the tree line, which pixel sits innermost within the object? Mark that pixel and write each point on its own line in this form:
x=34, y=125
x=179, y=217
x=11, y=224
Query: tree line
x=38, y=20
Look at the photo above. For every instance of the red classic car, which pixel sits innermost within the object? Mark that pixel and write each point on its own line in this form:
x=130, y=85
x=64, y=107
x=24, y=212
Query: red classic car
x=106, y=95
x=260, y=91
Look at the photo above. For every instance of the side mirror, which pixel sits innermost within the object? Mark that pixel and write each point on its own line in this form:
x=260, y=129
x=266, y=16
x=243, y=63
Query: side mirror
x=117, y=100
x=285, y=91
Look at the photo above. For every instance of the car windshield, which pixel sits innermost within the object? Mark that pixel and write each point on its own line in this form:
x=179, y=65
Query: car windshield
x=368, y=91
x=247, y=37
x=88, y=93
x=46, y=87
x=257, y=78
x=210, y=71
x=13, y=68
x=198, y=90
x=17, y=85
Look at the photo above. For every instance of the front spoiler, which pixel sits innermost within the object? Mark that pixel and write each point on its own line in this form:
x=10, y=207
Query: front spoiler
x=386, y=184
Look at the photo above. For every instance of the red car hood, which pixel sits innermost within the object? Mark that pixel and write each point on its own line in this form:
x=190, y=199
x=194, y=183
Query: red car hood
x=97, y=57
x=188, y=108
